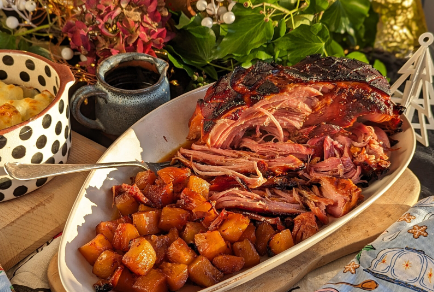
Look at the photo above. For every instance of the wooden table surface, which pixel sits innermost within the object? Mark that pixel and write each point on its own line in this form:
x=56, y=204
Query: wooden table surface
x=29, y=221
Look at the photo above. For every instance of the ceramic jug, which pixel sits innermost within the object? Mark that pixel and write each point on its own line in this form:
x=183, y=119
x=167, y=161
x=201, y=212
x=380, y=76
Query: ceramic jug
x=128, y=97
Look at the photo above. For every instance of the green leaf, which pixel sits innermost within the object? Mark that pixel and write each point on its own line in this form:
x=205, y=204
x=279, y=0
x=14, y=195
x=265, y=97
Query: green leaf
x=299, y=20
x=335, y=49
x=282, y=28
x=249, y=31
x=23, y=45
x=346, y=16
x=211, y=72
x=40, y=51
x=258, y=54
x=184, y=21
x=316, y=6
x=177, y=63
x=288, y=4
x=380, y=67
x=358, y=56
x=194, y=50
x=7, y=41
x=370, y=25
x=303, y=41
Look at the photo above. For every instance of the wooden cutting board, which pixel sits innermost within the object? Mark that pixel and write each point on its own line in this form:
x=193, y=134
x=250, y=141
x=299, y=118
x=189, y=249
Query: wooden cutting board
x=350, y=238
x=28, y=222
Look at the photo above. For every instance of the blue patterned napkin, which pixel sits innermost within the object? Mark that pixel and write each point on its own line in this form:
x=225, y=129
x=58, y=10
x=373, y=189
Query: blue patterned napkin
x=5, y=285
x=401, y=259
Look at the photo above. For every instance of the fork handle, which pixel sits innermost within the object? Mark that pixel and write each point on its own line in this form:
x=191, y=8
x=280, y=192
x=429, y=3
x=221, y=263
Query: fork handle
x=23, y=171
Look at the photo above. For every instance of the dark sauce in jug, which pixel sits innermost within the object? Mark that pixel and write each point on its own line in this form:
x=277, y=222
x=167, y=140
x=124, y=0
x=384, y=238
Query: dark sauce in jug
x=132, y=75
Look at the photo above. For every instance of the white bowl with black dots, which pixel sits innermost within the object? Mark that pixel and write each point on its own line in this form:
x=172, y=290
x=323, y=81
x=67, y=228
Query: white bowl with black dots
x=46, y=137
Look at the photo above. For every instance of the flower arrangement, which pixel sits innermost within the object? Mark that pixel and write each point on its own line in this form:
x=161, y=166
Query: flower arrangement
x=104, y=28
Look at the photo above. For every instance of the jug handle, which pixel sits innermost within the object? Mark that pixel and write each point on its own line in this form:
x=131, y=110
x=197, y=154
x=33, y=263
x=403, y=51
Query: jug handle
x=77, y=99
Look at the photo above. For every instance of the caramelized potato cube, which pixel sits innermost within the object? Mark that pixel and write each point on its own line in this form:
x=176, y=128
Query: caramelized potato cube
x=94, y=248
x=141, y=256
x=176, y=274
x=106, y=264
x=189, y=199
x=228, y=264
x=144, y=179
x=206, y=213
x=126, y=204
x=145, y=208
x=233, y=226
x=210, y=244
x=177, y=176
x=125, y=232
x=147, y=222
x=173, y=217
x=190, y=230
x=107, y=228
x=199, y=186
x=179, y=252
x=280, y=241
x=249, y=234
x=264, y=232
x=173, y=235
x=160, y=245
x=247, y=251
x=153, y=281
x=161, y=194
x=203, y=273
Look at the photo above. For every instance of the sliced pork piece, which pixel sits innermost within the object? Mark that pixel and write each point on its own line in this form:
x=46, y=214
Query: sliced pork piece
x=344, y=193
x=304, y=227
x=317, y=204
x=253, y=202
x=273, y=149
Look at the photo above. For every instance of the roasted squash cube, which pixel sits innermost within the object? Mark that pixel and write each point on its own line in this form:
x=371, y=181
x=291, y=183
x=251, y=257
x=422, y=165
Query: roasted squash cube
x=107, y=228
x=145, y=208
x=173, y=217
x=173, y=235
x=153, y=281
x=199, y=186
x=144, y=179
x=280, y=241
x=94, y=248
x=122, y=280
x=264, y=232
x=203, y=273
x=161, y=194
x=206, y=213
x=190, y=230
x=126, y=204
x=233, y=226
x=147, y=222
x=125, y=232
x=160, y=244
x=177, y=176
x=247, y=251
x=210, y=244
x=228, y=264
x=123, y=219
x=249, y=234
x=141, y=256
x=106, y=264
x=179, y=252
x=189, y=199
x=176, y=274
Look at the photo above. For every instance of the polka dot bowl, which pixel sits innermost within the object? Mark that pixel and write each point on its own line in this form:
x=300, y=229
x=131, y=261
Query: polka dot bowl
x=46, y=137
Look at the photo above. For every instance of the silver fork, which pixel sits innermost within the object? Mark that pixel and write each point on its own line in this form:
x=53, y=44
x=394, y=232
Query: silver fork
x=23, y=171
